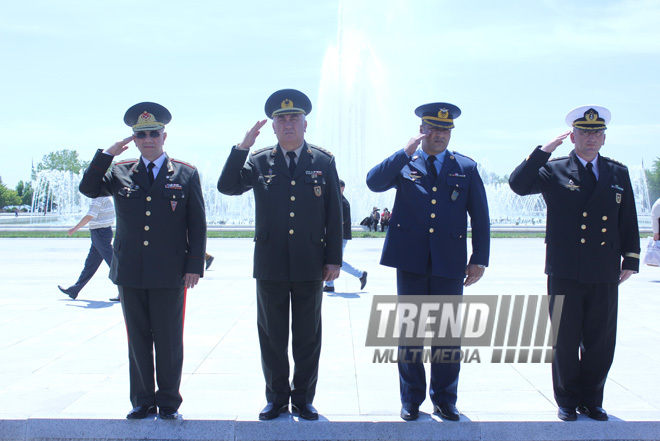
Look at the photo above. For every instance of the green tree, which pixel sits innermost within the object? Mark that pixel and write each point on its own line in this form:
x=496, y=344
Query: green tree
x=24, y=190
x=653, y=180
x=7, y=196
x=63, y=160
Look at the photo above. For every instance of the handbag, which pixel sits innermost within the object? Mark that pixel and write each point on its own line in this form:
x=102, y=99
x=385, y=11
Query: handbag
x=652, y=256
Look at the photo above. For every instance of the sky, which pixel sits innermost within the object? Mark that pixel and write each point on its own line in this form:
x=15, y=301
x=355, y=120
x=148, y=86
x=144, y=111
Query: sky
x=70, y=69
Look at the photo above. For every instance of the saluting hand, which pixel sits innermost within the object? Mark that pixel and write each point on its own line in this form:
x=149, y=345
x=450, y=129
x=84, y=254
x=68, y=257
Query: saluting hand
x=251, y=135
x=552, y=145
x=410, y=148
x=119, y=147
x=474, y=273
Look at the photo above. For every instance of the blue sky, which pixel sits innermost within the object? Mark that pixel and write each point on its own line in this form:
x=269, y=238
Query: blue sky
x=515, y=68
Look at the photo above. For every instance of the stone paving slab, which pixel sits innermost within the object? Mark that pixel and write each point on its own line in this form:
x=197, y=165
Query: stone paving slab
x=64, y=368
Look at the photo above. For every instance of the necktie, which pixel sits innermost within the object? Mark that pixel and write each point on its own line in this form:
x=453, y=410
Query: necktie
x=292, y=162
x=433, y=172
x=590, y=172
x=150, y=168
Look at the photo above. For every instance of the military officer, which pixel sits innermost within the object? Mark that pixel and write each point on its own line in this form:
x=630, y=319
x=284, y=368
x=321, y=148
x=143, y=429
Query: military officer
x=426, y=240
x=591, y=225
x=158, y=253
x=298, y=242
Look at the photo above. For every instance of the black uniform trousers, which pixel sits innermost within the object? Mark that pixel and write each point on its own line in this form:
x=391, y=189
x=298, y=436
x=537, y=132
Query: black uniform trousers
x=274, y=299
x=443, y=388
x=154, y=319
x=584, y=350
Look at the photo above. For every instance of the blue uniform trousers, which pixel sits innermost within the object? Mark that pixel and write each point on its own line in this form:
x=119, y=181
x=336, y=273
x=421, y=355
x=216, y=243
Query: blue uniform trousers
x=412, y=376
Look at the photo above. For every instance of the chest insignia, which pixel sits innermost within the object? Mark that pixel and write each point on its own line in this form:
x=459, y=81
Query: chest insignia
x=317, y=191
x=454, y=195
x=414, y=175
x=174, y=186
x=616, y=187
x=618, y=198
x=571, y=185
x=173, y=204
x=314, y=173
x=269, y=177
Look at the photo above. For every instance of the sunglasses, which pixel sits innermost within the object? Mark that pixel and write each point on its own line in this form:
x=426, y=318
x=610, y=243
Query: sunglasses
x=152, y=134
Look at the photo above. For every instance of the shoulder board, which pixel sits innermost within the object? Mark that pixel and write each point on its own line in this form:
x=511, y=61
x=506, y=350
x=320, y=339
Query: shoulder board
x=614, y=161
x=261, y=150
x=126, y=161
x=182, y=162
x=327, y=152
x=558, y=158
x=461, y=155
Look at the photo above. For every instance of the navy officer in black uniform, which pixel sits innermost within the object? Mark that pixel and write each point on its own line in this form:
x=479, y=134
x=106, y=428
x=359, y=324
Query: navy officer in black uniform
x=298, y=241
x=427, y=239
x=158, y=253
x=591, y=226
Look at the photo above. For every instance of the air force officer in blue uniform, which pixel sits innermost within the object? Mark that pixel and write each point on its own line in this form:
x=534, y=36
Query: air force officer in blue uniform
x=436, y=190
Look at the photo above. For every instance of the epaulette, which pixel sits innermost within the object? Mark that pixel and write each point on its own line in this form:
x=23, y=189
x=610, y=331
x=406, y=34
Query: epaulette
x=460, y=154
x=178, y=161
x=614, y=161
x=558, y=158
x=127, y=161
x=327, y=152
x=261, y=150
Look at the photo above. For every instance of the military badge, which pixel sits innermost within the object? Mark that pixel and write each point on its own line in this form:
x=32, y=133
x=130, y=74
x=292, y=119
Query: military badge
x=174, y=186
x=616, y=187
x=618, y=198
x=317, y=190
x=173, y=205
x=269, y=177
x=454, y=195
x=414, y=175
x=571, y=185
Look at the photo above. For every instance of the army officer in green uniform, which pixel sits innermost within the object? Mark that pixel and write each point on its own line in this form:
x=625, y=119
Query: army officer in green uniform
x=298, y=240
x=158, y=252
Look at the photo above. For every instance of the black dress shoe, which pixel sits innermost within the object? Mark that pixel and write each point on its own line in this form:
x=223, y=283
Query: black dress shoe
x=168, y=413
x=306, y=411
x=273, y=410
x=68, y=292
x=327, y=288
x=566, y=413
x=447, y=411
x=593, y=412
x=114, y=299
x=141, y=412
x=209, y=261
x=363, y=280
x=409, y=412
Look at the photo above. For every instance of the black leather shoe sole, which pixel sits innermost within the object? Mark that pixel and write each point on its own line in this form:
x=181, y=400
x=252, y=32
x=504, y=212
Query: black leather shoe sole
x=168, y=413
x=272, y=411
x=141, y=412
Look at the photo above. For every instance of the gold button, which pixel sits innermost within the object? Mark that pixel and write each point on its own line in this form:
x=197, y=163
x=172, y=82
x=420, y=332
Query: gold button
x=435, y=189
x=293, y=198
x=148, y=213
x=148, y=198
x=321, y=240
x=582, y=240
x=291, y=231
x=146, y=228
x=604, y=217
x=584, y=214
x=431, y=230
x=146, y=243
x=604, y=230
x=315, y=181
x=583, y=226
x=602, y=243
x=292, y=214
x=433, y=201
x=293, y=182
x=432, y=215
x=460, y=236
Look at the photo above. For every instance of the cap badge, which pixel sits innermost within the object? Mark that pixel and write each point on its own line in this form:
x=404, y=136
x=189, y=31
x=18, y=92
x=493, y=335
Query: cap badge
x=146, y=117
x=591, y=115
x=443, y=113
x=287, y=104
